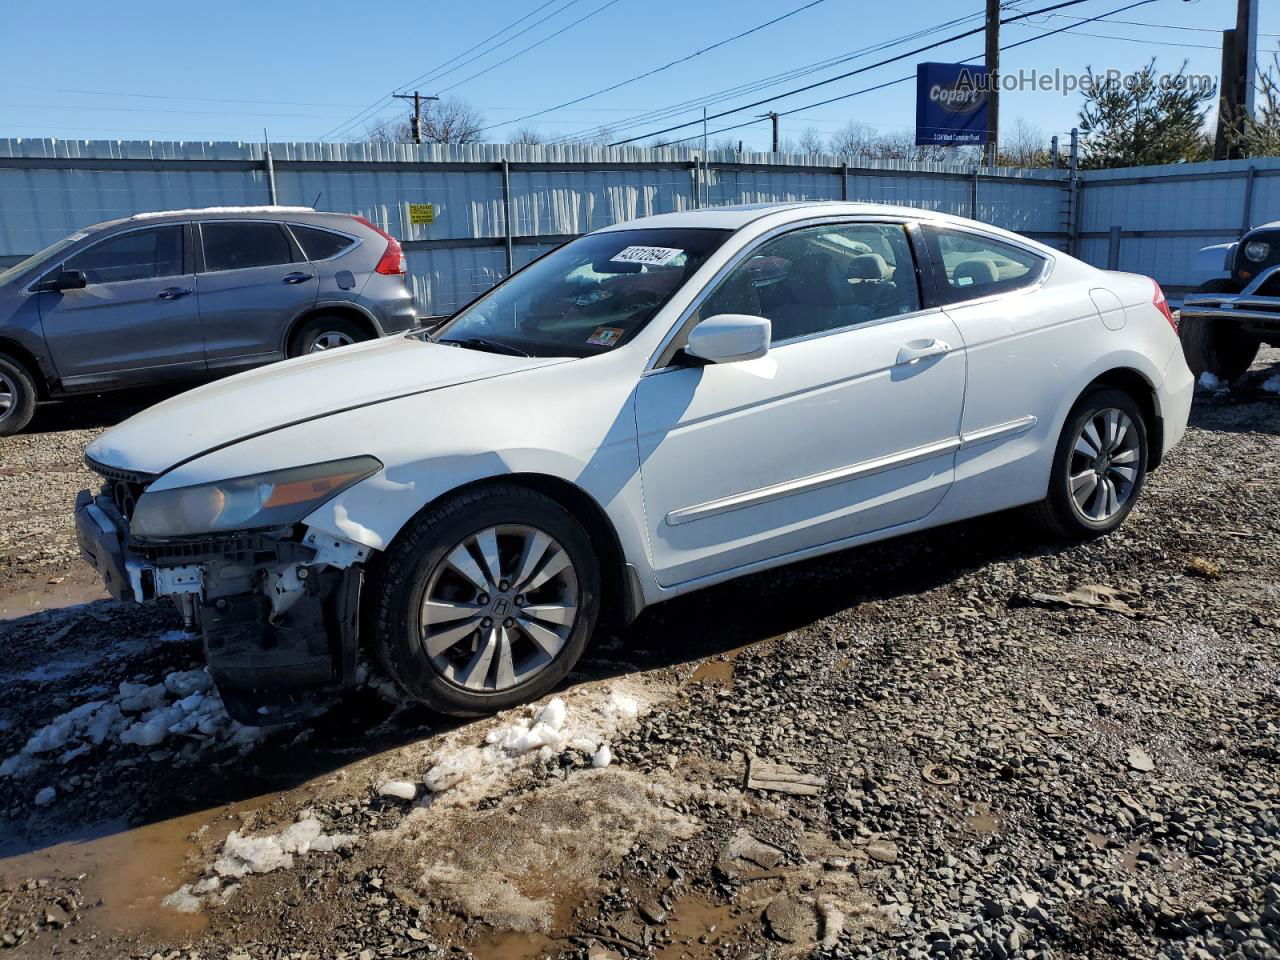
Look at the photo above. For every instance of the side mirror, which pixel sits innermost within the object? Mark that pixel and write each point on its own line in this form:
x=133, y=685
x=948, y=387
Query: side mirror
x=729, y=338
x=67, y=280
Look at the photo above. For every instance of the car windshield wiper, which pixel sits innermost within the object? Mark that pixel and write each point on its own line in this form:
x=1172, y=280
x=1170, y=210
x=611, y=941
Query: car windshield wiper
x=492, y=346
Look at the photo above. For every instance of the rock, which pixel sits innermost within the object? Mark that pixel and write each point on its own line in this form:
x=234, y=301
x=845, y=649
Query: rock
x=883, y=851
x=45, y=796
x=1138, y=759
x=792, y=920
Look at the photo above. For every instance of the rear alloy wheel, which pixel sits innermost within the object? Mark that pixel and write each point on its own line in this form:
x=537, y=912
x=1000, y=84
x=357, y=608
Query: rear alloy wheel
x=487, y=600
x=324, y=333
x=17, y=396
x=1099, y=466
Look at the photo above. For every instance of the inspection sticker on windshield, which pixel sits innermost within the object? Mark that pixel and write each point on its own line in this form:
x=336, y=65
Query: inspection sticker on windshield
x=653, y=256
x=605, y=336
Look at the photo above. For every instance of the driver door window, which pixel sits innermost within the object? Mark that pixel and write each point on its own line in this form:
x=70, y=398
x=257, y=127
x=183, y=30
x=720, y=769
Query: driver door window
x=820, y=279
x=137, y=255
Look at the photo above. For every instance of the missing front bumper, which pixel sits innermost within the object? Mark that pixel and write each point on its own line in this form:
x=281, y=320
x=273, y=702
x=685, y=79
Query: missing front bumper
x=279, y=619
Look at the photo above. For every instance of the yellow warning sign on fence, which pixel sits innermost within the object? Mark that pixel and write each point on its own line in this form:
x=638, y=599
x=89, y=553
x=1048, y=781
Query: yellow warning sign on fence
x=420, y=213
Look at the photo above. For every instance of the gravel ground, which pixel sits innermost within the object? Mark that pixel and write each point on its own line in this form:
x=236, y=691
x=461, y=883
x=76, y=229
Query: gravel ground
x=1002, y=747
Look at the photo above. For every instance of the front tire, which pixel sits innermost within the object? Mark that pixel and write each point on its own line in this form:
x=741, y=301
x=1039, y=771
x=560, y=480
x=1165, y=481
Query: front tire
x=1216, y=346
x=1099, y=466
x=486, y=601
x=17, y=396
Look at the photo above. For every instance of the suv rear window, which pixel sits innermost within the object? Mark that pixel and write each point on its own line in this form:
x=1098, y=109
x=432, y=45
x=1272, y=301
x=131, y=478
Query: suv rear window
x=320, y=244
x=236, y=246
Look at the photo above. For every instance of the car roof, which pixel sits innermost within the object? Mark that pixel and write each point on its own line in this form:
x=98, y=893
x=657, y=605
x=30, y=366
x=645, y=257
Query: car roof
x=736, y=216
x=766, y=216
x=196, y=213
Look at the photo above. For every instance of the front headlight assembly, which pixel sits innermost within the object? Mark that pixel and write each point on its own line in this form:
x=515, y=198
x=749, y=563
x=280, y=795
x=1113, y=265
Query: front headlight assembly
x=274, y=499
x=1257, y=250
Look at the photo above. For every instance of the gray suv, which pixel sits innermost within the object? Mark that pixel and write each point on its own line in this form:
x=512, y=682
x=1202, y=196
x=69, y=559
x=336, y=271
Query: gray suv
x=191, y=294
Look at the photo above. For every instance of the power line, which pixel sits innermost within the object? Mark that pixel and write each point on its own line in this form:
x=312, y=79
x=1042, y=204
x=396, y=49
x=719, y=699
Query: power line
x=766, y=82
x=418, y=79
x=203, y=113
x=890, y=83
x=873, y=66
x=520, y=52
x=602, y=7
x=665, y=66
x=183, y=97
x=439, y=72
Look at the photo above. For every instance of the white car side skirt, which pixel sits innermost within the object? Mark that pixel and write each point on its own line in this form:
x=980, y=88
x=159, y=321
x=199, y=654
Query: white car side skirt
x=842, y=474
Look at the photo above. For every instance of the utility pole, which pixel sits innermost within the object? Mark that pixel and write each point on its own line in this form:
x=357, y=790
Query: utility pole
x=415, y=124
x=993, y=81
x=1247, y=24
x=773, y=116
x=1238, y=81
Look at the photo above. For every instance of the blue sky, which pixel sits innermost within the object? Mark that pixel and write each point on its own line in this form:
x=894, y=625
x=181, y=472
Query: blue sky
x=139, y=69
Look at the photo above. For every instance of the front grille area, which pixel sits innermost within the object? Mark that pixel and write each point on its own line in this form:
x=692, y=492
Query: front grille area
x=123, y=487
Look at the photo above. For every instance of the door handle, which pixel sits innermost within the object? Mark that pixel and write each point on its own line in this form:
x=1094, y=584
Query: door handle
x=173, y=293
x=297, y=277
x=918, y=350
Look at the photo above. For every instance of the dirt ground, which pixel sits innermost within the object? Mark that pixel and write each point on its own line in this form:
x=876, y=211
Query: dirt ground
x=971, y=742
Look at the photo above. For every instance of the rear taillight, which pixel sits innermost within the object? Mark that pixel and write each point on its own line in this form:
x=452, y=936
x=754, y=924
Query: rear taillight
x=1162, y=305
x=392, y=262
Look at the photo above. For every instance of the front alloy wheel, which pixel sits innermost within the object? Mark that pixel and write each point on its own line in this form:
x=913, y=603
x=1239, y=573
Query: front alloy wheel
x=486, y=600
x=500, y=608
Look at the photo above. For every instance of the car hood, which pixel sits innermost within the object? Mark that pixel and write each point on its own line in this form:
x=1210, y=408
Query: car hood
x=291, y=392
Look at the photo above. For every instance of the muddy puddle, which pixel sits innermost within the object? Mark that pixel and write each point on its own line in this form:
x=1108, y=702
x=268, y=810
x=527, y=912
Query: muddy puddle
x=125, y=872
x=53, y=592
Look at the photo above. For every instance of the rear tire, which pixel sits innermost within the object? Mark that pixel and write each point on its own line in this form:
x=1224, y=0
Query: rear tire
x=1086, y=461
x=17, y=396
x=447, y=668
x=326, y=332
x=1216, y=346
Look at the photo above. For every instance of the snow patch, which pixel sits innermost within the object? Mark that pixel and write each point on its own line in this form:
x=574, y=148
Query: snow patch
x=46, y=796
x=1209, y=381
x=182, y=704
x=242, y=856
x=543, y=732
x=400, y=789
x=1272, y=384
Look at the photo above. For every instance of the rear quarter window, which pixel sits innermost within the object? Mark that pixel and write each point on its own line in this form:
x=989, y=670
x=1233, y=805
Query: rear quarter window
x=319, y=244
x=969, y=266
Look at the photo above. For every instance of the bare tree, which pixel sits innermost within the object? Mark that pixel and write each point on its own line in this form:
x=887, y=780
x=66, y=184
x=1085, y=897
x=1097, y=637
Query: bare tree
x=527, y=135
x=811, y=141
x=1024, y=145
x=443, y=121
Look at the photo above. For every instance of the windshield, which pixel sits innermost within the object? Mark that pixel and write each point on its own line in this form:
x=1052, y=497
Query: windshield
x=587, y=297
x=50, y=251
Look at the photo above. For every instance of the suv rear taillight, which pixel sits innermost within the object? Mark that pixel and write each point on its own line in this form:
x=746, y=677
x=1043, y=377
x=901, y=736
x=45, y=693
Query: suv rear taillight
x=1162, y=305
x=392, y=262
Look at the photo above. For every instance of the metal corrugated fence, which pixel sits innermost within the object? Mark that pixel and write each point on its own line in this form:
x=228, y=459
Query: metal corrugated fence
x=49, y=188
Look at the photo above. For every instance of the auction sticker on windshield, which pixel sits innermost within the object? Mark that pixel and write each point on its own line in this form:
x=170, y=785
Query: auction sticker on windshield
x=653, y=256
x=605, y=336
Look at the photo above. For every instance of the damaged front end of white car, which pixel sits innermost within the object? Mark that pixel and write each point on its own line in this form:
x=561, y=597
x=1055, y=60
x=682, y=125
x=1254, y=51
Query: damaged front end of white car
x=277, y=602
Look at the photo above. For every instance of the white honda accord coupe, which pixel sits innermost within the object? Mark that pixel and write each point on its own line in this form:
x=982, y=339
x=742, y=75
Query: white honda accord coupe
x=650, y=409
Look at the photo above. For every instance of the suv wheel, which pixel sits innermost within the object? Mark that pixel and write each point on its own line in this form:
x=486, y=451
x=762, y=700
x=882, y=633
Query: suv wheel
x=486, y=601
x=1218, y=347
x=325, y=332
x=1099, y=466
x=17, y=396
